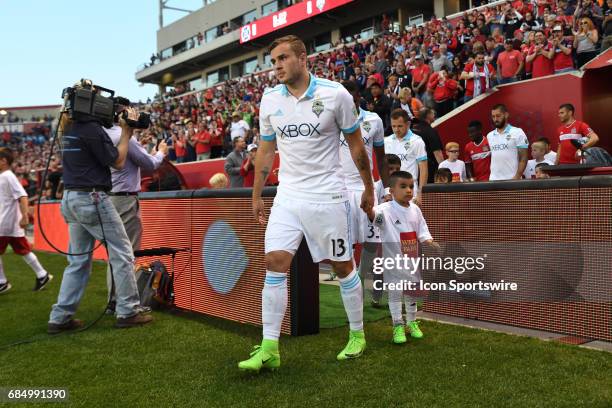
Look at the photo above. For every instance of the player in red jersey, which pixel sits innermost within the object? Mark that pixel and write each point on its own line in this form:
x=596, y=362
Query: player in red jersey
x=572, y=129
x=477, y=154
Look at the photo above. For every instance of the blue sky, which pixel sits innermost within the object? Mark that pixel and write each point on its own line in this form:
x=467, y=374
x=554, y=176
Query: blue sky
x=48, y=45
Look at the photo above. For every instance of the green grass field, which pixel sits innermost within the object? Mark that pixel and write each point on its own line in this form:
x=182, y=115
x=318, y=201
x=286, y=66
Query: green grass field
x=190, y=361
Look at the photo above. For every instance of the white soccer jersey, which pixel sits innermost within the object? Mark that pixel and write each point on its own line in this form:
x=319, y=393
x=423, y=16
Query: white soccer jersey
x=504, y=151
x=457, y=168
x=401, y=230
x=551, y=157
x=411, y=150
x=529, y=172
x=373, y=134
x=239, y=129
x=306, y=132
x=10, y=215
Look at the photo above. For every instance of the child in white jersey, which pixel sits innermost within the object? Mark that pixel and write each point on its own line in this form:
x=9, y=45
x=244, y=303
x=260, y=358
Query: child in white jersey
x=456, y=166
x=402, y=227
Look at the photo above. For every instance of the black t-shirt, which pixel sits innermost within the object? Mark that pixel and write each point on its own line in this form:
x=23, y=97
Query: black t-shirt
x=432, y=143
x=88, y=153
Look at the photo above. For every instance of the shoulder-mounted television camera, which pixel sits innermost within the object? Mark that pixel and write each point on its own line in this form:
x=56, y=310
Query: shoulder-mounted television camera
x=86, y=102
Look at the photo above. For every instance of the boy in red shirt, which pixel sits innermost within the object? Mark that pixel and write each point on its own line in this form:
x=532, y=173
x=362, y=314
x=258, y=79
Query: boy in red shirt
x=477, y=154
x=444, y=90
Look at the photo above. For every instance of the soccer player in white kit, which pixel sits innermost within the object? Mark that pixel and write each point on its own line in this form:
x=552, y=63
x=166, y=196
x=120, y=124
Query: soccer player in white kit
x=410, y=148
x=373, y=134
x=304, y=116
x=508, y=145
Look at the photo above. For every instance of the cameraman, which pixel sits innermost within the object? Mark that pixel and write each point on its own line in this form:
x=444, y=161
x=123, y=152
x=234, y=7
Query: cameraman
x=88, y=154
x=126, y=185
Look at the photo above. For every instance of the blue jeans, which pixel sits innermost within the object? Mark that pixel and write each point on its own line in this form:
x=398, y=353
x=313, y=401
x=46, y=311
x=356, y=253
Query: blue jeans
x=508, y=80
x=79, y=211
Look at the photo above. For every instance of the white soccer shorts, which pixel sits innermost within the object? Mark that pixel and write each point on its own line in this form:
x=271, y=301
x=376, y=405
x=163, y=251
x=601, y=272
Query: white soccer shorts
x=361, y=227
x=325, y=226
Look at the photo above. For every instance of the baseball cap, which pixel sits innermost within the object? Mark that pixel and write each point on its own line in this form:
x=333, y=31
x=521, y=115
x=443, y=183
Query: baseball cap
x=557, y=28
x=419, y=56
x=251, y=147
x=509, y=41
x=236, y=113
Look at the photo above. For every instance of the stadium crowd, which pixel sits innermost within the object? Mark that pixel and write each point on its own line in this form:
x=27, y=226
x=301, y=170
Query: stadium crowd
x=438, y=65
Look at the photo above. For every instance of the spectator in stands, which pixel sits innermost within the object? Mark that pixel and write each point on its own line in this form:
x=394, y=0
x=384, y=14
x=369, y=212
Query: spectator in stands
x=456, y=166
x=540, y=55
x=443, y=176
x=509, y=63
x=202, y=142
x=572, y=129
x=393, y=88
x=380, y=104
x=562, y=59
x=438, y=61
x=233, y=162
x=509, y=146
x=511, y=21
x=247, y=170
x=238, y=127
x=408, y=103
x=585, y=41
x=480, y=70
x=538, y=150
x=587, y=9
x=179, y=141
x=420, y=76
x=216, y=141
x=443, y=89
x=477, y=154
x=433, y=143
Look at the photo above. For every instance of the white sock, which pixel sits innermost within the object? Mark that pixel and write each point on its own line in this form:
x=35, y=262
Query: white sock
x=411, y=308
x=3, y=279
x=35, y=265
x=395, y=307
x=274, y=299
x=352, y=297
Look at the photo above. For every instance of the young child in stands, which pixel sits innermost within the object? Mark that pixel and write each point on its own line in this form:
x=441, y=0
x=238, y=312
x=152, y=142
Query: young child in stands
x=402, y=227
x=456, y=166
x=443, y=176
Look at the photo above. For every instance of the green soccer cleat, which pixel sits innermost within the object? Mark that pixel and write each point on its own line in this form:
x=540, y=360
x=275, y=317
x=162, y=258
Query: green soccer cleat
x=264, y=356
x=355, y=347
x=399, y=334
x=415, y=331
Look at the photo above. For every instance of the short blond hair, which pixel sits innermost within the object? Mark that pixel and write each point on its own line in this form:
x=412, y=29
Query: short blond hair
x=450, y=145
x=295, y=43
x=218, y=180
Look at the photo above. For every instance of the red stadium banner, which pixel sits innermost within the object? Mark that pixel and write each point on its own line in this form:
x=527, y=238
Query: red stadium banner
x=286, y=17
